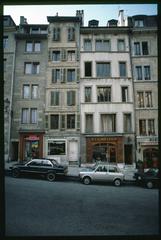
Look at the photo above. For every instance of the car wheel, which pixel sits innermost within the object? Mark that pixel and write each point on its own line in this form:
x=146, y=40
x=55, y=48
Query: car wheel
x=149, y=184
x=15, y=173
x=86, y=180
x=50, y=176
x=117, y=182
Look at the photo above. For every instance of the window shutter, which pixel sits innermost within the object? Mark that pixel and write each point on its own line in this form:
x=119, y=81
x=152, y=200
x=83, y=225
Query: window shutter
x=63, y=55
x=63, y=75
x=49, y=55
x=78, y=121
x=53, y=76
x=78, y=55
x=78, y=75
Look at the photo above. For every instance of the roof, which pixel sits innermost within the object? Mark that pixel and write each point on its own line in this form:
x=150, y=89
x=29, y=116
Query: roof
x=63, y=19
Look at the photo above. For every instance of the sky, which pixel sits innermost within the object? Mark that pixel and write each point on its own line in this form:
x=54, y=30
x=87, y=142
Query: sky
x=37, y=14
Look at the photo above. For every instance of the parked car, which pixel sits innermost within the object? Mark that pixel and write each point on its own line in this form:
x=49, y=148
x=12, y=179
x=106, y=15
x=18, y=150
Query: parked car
x=149, y=178
x=46, y=167
x=102, y=172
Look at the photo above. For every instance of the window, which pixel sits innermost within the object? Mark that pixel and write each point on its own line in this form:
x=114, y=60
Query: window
x=88, y=69
x=5, y=42
x=32, y=68
x=70, y=75
x=26, y=91
x=124, y=94
x=54, y=121
x=137, y=50
x=71, y=56
x=139, y=75
x=56, y=147
x=148, y=99
x=71, y=98
x=122, y=69
x=127, y=122
x=102, y=45
x=63, y=119
x=139, y=23
x=88, y=92
x=142, y=126
x=56, y=56
x=147, y=73
x=33, y=115
x=140, y=99
x=34, y=91
x=71, y=34
x=56, y=75
x=55, y=98
x=70, y=121
x=56, y=34
x=33, y=46
x=89, y=123
x=87, y=45
x=108, y=123
x=103, y=69
x=145, y=48
x=25, y=115
x=121, y=45
x=35, y=30
x=151, y=127
x=104, y=94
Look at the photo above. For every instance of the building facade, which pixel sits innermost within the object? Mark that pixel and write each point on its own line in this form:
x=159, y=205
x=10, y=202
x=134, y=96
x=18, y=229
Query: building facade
x=106, y=95
x=9, y=46
x=29, y=91
x=144, y=57
x=82, y=94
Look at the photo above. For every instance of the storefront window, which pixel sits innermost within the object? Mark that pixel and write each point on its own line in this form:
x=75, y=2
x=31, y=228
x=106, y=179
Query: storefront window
x=150, y=156
x=31, y=149
x=56, y=147
x=104, y=152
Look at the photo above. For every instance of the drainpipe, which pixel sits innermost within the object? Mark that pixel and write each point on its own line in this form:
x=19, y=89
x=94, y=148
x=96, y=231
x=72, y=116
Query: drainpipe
x=132, y=74
x=10, y=106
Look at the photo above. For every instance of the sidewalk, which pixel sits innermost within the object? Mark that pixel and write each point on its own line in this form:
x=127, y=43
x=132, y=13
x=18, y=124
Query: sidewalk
x=73, y=171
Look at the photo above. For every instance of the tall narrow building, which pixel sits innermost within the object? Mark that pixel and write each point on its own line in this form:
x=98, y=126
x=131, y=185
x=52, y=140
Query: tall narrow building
x=62, y=111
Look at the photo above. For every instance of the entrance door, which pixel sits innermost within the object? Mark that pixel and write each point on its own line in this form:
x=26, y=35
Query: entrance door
x=14, y=151
x=73, y=151
x=128, y=154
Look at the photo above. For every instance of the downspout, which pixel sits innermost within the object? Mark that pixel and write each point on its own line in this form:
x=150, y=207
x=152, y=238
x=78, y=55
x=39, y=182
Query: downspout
x=132, y=74
x=10, y=106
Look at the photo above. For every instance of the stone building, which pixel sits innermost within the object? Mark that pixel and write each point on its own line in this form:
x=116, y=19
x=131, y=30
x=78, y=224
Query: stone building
x=106, y=94
x=144, y=58
x=29, y=91
x=62, y=111
x=9, y=46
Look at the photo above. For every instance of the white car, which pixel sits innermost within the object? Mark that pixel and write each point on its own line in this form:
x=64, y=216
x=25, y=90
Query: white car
x=102, y=172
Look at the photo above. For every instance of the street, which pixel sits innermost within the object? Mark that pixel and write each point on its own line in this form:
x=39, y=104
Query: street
x=36, y=207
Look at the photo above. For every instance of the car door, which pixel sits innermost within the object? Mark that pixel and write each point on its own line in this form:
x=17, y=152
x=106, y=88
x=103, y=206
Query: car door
x=33, y=166
x=100, y=173
x=112, y=173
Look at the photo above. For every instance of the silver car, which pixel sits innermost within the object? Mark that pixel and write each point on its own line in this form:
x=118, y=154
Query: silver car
x=102, y=172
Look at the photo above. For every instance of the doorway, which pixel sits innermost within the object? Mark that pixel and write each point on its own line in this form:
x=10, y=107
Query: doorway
x=128, y=154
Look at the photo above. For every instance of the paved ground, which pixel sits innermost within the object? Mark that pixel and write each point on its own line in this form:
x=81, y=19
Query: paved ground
x=37, y=207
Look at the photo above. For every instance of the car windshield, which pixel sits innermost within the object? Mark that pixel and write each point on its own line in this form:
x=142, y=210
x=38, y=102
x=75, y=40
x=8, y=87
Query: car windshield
x=54, y=162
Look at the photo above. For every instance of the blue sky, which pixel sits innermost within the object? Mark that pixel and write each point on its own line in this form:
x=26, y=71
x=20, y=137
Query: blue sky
x=101, y=12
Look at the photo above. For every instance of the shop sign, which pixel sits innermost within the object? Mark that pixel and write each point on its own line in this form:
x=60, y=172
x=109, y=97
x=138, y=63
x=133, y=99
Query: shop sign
x=96, y=139
x=149, y=143
x=32, y=138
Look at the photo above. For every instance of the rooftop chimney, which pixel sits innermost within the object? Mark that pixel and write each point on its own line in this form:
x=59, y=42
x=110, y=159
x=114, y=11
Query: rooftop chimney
x=80, y=14
x=121, y=19
x=23, y=20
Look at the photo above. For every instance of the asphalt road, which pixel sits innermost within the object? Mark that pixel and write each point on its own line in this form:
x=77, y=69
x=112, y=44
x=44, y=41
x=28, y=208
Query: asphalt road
x=37, y=207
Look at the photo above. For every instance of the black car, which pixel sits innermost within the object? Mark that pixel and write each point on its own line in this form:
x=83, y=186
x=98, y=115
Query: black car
x=150, y=178
x=46, y=167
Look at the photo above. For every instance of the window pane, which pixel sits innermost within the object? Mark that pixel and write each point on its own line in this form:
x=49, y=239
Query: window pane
x=145, y=48
x=26, y=91
x=56, y=147
x=89, y=123
x=139, y=73
x=103, y=69
x=87, y=94
x=104, y=94
x=28, y=68
x=148, y=99
x=37, y=47
x=5, y=42
x=29, y=47
x=34, y=91
x=56, y=34
x=54, y=121
x=122, y=68
x=108, y=123
x=70, y=75
x=71, y=55
x=151, y=127
x=33, y=115
x=147, y=73
x=127, y=122
x=102, y=45
x=70, y=121
x=140, y=99
x=137, y=50
x=124, y=94
x=142, y=126
x=56, y=56
x=71, y=98
x=88, y=69
x=87, y=45
x=35, y=68
x=25, y=115
x=121, y=45
x=54, y=98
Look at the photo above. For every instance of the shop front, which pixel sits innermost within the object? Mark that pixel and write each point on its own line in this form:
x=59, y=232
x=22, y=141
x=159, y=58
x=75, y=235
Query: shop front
x=106, y=149
x=150, y=156
x=31, y=145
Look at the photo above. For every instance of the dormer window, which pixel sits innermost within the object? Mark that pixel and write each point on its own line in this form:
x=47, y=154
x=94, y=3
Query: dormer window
x=139, y=23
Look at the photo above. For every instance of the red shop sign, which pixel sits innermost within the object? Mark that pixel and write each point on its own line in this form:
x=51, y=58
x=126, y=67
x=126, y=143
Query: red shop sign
x=32, y=138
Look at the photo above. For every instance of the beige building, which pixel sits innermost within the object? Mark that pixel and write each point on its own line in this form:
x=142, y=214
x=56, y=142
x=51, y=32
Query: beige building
x=62, y=113
x=144, y=57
